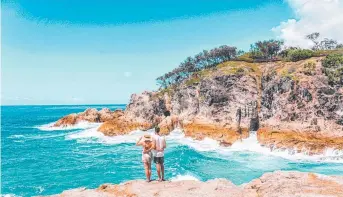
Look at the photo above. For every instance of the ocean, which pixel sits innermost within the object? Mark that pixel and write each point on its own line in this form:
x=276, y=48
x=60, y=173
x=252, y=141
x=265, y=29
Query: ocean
x=39, y=160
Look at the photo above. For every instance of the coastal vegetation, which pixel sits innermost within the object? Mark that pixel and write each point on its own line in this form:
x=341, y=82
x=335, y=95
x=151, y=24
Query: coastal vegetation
x=193, y=68
x=333, y=68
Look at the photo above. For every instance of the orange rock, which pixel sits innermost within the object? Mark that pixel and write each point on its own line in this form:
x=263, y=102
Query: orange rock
x=310, y=141
x=89, y=115
x=120, y=126
x=225, y=134
x=168, y=124
x=66, y=120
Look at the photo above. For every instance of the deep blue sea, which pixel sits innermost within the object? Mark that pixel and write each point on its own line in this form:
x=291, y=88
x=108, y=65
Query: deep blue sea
x=39, y=160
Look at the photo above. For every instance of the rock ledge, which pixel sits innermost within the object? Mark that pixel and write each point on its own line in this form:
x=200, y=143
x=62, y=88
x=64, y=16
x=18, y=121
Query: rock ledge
x=278, y=183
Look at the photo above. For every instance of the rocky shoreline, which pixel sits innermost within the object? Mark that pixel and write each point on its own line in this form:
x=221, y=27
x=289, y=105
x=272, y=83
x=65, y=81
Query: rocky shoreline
x=278, y=183
x=289, y=106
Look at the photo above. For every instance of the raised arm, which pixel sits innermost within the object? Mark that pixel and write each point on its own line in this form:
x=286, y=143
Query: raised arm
x=139, y=143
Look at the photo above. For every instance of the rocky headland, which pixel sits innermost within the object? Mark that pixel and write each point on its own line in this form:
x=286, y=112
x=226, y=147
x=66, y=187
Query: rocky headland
x=279, y=183
x=291, y=105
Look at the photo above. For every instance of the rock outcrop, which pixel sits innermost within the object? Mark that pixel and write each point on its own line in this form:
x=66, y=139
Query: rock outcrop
x=144, y=111
x=299, y=109
x=279, y=183
x=89, y=115
x=291, y=105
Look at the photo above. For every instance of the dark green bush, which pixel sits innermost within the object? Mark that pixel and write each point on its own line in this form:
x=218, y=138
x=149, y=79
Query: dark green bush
x=333, y=68
x=298, y=54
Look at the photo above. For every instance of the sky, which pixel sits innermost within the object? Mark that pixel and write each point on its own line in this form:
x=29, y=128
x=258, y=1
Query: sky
x=101, y=52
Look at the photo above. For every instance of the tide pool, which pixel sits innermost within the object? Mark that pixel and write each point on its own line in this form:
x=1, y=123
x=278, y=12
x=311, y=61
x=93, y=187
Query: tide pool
x=39, y=160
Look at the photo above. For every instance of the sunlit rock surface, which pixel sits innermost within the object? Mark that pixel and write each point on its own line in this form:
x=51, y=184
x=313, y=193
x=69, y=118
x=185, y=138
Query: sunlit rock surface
x=279, y=183
x=288, y=105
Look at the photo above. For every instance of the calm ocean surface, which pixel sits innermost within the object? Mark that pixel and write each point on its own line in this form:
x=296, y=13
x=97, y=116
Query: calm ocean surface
x=39, y=160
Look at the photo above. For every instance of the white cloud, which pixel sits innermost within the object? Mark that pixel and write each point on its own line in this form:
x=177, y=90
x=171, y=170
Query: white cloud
x=127, y=74
x=323, y=16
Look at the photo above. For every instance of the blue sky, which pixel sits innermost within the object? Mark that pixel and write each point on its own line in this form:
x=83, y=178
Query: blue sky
x=94, y=52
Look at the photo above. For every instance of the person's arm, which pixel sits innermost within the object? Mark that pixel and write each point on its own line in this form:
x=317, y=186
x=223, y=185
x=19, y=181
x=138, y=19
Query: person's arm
x=153, y=147
x=139, y=143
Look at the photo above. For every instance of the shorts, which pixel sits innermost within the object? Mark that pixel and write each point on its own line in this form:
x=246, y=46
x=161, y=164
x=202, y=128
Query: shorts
x=146, y=157
x=158, y=160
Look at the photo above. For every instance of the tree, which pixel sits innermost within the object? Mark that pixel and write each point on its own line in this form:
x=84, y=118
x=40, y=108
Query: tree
x=314, y=38
x=267, y=49
x=339, y=46
x=326, y=44
x=202, y=60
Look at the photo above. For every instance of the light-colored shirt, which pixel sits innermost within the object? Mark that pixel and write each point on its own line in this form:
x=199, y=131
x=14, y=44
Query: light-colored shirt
x=160, y=142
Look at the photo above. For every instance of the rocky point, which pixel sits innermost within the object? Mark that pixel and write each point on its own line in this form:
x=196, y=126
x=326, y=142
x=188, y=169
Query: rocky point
x=287, y=104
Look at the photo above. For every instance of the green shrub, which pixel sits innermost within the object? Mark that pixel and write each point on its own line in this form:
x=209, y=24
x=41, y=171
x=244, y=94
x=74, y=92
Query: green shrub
x=333, y=68
x=320, y=53
x=245, y=57
x=298, y=54
x=309, y=68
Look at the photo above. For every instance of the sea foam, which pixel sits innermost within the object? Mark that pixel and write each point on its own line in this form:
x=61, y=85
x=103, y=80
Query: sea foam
x=249, y=144
x=94, y=136
x=79, y=125
x=186, y=177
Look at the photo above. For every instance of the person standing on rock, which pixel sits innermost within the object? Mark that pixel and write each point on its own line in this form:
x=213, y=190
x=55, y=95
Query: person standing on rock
x=146, y=142
x=159, y=144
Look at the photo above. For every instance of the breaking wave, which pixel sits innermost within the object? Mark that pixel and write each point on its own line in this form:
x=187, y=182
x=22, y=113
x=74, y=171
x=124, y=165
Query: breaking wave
x=93, y=136
x=80, y=125
x=9, y=195
x=186, y=177
x=249, y=144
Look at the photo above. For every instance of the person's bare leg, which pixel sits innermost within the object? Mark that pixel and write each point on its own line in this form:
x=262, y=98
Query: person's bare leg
x=149, y=171
x=158, y=168
x=162, y=171
x=146, y=168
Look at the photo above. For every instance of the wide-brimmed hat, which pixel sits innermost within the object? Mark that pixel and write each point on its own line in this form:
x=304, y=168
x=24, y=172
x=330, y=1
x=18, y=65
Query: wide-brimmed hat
x=147, y=138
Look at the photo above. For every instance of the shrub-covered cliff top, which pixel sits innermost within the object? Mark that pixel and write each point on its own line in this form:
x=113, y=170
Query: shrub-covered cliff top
x=287, y=61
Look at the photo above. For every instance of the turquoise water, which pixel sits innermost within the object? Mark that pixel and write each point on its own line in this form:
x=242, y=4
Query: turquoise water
x=36, y=160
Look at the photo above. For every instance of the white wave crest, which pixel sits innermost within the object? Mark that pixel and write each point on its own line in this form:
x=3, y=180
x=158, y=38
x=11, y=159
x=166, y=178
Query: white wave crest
x=251, y=144
x=94, y=136
x=79, y=125
x=186, y=177
x=15, y=136
x=207, y=144
x=9, y=195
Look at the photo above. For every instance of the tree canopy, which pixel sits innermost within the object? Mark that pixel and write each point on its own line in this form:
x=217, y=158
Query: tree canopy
x=267, y=50
x=202, y=60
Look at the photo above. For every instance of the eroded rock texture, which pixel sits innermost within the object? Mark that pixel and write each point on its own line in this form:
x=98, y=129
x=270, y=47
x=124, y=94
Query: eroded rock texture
x=289, y=105
x=279, y=183
x=299, y=110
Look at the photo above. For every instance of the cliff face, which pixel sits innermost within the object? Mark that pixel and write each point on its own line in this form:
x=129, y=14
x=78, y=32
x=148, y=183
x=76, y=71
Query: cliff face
x=219, y=105
x=299, y=109
x=269, y=185
x=290, y=104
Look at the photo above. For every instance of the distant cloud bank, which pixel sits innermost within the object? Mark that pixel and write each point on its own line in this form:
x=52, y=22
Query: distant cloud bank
x=323, y=16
